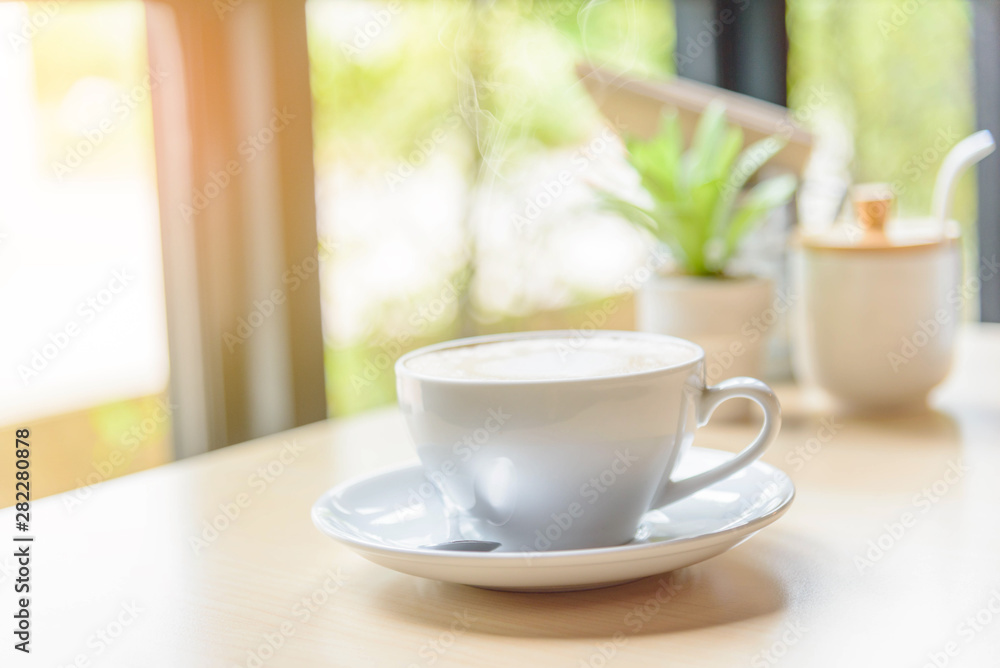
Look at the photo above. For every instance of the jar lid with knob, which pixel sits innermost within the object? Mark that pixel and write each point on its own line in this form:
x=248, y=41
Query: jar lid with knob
x=875, y=230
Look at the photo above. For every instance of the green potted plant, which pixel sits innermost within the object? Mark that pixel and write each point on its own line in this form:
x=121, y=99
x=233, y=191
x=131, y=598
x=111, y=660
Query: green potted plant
x=697, y=206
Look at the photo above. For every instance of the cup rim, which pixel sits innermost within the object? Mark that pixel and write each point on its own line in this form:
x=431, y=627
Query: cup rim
x=402, y=370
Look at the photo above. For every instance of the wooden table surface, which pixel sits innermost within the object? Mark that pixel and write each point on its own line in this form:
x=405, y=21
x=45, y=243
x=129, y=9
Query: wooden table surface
x=889, y=556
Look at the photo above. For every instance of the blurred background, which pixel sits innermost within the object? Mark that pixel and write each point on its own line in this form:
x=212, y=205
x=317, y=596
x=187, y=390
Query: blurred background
x=220, y=220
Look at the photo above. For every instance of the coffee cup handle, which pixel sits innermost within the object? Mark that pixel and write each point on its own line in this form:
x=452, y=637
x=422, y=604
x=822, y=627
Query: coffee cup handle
x=707, y=402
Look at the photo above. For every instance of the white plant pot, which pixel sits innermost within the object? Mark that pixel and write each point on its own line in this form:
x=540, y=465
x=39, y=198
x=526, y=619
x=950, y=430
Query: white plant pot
x=729, y=317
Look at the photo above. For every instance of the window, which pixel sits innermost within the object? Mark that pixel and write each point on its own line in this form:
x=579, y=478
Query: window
x=454, y=144
x=888, y=88
x=85, y=351
x=444, y=151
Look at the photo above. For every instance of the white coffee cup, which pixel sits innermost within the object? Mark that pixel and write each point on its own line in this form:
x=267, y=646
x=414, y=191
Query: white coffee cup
x=556, y=463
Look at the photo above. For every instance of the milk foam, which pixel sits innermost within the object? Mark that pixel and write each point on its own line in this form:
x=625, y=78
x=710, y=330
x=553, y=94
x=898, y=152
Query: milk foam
x=551, y=359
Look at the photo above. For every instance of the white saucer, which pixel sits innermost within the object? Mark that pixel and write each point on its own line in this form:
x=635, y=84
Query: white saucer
x=379, y=517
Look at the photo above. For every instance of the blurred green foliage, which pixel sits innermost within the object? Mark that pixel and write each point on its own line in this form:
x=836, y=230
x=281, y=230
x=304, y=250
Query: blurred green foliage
x=506, y=68
x=498, y=77
x=899, y=75
x=87, y=58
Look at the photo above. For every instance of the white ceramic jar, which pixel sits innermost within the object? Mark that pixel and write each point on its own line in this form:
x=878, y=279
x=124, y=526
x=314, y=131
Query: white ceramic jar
x=879, y=309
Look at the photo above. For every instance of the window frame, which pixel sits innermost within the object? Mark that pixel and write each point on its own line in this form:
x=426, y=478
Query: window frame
x=986, y=45
x=238, y=63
